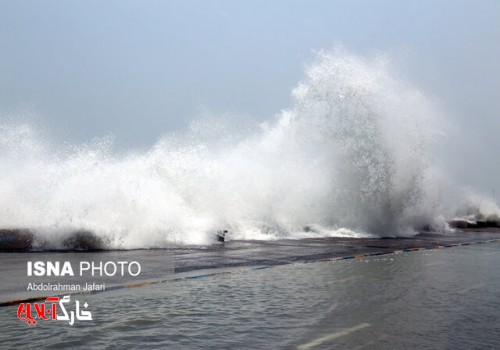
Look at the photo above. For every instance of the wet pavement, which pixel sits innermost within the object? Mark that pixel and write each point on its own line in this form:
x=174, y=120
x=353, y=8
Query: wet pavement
x=160, y=265
x=248, y=253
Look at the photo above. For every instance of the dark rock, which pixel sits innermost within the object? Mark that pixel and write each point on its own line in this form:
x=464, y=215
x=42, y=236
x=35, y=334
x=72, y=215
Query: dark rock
x=84, y=240
x=459, y=223
x=463, y=223
x=16, y=239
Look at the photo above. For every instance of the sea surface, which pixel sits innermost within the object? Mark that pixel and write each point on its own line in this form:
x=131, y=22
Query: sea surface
x=446, y=298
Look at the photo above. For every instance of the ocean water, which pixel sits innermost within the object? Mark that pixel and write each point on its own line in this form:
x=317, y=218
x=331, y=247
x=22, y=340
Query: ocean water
x=429, y=299
x=351, y=156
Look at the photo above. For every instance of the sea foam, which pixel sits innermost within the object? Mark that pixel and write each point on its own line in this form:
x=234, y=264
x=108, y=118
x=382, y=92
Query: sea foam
x=352, y=156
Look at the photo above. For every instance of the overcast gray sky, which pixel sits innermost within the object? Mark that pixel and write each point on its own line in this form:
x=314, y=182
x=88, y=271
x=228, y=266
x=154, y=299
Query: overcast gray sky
x=139, y=69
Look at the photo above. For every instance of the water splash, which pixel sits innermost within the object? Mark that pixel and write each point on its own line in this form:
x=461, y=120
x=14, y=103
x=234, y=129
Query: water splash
x=351, y=157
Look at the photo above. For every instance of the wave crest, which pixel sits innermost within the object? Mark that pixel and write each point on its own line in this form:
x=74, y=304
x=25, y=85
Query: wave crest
x=352, y=156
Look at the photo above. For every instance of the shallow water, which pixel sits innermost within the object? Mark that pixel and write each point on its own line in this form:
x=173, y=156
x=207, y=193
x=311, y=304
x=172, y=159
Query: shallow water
x=440, y=299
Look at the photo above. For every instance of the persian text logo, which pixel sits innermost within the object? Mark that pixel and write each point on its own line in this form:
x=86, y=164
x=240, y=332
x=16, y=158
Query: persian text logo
x=45, y=312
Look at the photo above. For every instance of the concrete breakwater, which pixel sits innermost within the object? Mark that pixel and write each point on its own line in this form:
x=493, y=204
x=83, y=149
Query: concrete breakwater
x=24, y=239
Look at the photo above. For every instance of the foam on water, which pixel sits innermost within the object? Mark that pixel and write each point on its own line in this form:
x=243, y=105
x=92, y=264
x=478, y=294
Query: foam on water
x=352, y=156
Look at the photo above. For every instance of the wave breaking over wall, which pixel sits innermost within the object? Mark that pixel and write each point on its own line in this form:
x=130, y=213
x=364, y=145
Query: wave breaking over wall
x=352, y=156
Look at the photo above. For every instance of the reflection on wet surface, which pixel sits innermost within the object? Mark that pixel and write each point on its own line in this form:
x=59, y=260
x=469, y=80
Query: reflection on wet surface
x=440, y=299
